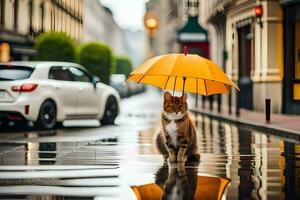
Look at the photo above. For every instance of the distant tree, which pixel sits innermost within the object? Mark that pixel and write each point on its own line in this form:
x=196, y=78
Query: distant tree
x=97, y=58
x=55, y=46
x=123, y=65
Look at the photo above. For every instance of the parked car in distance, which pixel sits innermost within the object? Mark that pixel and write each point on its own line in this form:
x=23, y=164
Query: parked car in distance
x=118, y=81
x=133, y=87
x=47, y=93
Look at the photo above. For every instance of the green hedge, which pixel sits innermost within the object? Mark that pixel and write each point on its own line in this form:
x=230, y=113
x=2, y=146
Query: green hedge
x=123, y=65
x=55, y=46
x=97, y=58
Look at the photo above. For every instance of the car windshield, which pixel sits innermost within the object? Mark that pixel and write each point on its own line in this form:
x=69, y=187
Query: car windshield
x=11, y=73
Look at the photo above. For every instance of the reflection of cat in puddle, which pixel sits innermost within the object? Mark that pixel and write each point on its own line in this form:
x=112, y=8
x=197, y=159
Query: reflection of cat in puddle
x=177, y=181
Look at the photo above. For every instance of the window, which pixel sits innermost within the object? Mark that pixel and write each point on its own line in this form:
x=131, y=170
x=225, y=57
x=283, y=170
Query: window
x=42, y=15
x=2, y=14
x=60, y=73
x=16, y=13
x=296, y=88
x=30, y=16
x=297, y=50
x=10, y=73
x=80, y=75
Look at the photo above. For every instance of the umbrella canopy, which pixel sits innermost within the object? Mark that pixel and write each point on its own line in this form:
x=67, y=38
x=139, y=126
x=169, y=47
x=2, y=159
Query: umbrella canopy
x=183, y=72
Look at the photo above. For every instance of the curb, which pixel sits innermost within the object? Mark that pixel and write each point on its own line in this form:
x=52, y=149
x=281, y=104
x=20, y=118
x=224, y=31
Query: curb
x=281, y=132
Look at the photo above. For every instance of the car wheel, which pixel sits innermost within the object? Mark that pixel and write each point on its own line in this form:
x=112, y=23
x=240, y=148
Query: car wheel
x=47, y=115
x=111, y=111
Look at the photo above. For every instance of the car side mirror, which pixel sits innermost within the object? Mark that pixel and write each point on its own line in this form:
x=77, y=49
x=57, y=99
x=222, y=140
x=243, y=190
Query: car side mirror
x=95, y=80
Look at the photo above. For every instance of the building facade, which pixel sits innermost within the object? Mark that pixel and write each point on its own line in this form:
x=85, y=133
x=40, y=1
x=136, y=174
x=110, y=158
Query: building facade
x=99, y=25
x=22, y=20
x=259, y=54
x=171, y=14
x=254, y=52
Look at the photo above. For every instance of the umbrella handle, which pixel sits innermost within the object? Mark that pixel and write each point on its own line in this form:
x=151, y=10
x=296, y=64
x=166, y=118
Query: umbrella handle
x=184, y=79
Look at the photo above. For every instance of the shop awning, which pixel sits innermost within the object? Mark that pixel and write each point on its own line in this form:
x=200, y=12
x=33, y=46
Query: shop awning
x=192, y=31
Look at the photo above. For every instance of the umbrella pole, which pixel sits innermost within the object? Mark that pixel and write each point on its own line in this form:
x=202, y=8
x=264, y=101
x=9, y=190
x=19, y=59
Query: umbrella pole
x=197, y=101
x=196, y=93
x=196, y=115
x=184, y=78
x=174, y=85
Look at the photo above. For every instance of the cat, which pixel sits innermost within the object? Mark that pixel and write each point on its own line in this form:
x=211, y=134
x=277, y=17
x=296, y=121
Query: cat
x=177, y=141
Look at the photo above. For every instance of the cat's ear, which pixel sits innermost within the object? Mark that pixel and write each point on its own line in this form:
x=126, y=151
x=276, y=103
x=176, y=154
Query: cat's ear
x=184, y=97
x=167, y=96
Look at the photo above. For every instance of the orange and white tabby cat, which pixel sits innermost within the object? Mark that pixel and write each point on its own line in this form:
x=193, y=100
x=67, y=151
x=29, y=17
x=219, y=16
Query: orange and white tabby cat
x=177, y=141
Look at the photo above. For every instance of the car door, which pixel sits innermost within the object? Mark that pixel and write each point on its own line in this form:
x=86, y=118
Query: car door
x=87, y=93
x=65, y=90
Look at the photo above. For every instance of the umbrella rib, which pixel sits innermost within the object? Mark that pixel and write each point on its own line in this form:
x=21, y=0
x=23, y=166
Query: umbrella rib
x=167, y=82
x=141, y=78
x=173, y=66
x=226, y=88
x=147, y=70
x=205, y=87
x=174, y=85
x=129, y=76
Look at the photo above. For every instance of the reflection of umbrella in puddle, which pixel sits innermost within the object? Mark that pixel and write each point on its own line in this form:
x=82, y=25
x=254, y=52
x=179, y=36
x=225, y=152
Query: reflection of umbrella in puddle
x=148, y=191
x=208, y=188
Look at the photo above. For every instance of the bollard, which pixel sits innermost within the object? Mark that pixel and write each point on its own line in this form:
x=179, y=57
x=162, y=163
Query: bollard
x=237, y=108
x=237, y=112
x=268, y=110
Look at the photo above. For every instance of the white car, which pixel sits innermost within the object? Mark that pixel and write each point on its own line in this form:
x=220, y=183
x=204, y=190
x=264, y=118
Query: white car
x=47, y=93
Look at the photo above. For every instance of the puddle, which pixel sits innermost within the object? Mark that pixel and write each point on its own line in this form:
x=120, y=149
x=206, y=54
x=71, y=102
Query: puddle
x=121, y=162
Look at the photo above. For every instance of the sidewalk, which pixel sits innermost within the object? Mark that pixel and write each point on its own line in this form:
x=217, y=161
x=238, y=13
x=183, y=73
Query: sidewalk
x=280, y=124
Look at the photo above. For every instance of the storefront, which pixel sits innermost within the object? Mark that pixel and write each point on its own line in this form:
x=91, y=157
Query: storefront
x=254, y=47
x=16, y=46
x=291, y=81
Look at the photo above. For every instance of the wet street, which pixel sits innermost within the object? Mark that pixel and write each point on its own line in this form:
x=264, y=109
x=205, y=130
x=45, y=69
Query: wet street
x=121, y=162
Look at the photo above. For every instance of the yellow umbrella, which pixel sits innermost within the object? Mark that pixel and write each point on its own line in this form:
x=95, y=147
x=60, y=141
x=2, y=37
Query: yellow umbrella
x=183, y=72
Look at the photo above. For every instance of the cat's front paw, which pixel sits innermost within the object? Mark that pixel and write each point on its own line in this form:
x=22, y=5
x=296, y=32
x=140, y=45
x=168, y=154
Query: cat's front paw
x=181, y=159
x=172, y=159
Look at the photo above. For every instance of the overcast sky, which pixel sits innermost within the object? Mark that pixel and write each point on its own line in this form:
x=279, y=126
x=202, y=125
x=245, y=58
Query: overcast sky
x=127, y=13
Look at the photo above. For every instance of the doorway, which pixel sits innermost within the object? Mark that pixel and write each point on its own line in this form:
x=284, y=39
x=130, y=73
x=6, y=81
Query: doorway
x=245, y=96
x=291, y=79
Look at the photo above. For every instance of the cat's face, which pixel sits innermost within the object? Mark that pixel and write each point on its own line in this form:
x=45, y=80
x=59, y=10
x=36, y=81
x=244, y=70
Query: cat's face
x=175, y=105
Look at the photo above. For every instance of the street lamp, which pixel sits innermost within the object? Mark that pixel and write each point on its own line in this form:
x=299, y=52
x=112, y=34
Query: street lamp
x=258, y=10
x=151, y=23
